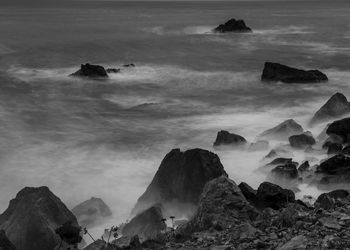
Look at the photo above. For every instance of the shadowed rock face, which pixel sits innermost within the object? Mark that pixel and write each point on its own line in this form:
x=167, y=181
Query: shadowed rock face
x=32, y=217
x=181, y=178
x=146, y=224
x=233, y=25
x=275, y=72
x=224, y=138
x=90, y=70
x=287, y=171
x=340, y=128
x=5, y=244
x=336, y=106
x=302, y=141
x=273, y=196
x=283, y=130
x=336, y=165
x=91, y=212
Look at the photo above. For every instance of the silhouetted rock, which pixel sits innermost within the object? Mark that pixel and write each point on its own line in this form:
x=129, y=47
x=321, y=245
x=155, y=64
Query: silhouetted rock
x=91, y=212
x=233, y=25
x=280, y=161
x=335, y=107
x=287, y=171
x=112, y=70
x=302, y=141
x=332, y=147
x=129, y=65
x=336, y=165
x=340, y=128
x=181, y=178
x=90, y=70
x=275, y=72
x=147, y=224
x=283, y=130
x=225, y=138
x=259, y=146
x=273, y=196
x=248, y=192
x=305, y=166
x=33, y=216
x=5, y=243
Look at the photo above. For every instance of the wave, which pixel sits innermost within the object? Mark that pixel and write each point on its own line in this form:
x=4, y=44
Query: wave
x=189, y=30
x=283, y=30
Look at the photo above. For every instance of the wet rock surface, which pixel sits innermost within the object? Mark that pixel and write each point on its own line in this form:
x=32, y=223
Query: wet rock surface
x=233, y=25
x=91, y=70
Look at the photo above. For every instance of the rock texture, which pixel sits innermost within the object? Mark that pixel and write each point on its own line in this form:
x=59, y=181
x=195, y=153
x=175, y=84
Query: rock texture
x=91, y=212
x=335, y=107
x=283, y=131
x=5, y=243
x=337, y=165
x=275, y=72
x=91, y=70
x=224, y=138
x=302, y=141
x=181, y=178
x=273, y=196
x=32, y=217
x=340, y=128
x=233, y=25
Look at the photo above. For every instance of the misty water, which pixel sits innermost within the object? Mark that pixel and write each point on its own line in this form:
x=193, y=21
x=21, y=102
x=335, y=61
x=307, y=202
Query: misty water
x=106, y=139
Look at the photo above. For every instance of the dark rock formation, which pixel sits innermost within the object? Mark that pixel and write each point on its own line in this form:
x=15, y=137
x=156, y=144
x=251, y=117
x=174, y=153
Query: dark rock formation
x=91, y=212
x=90, y=70
x=335, y=107
x=275, y=72
x=259, y=146
x=112, y=70
x=337, y=165
x=305, y=166
x=340, y=128
x=5, y=243
x=181, y=178
x=346, y=150
x=273, y=196
x=248, y=192
x=283, y=130
x=129, y=65
x=328, y=200
x=33, y=216
x=280, y=161
x=224, y=138
x=287, y=171
x=332, y=147
x=147, y=224
x=233, y=25
x=302, y=141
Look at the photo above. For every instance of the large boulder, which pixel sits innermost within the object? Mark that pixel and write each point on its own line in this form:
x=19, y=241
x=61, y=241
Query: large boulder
x=180, y=179
x=273, y=196
x=337, y=165
x=275, y=72
x=224, y=138
x=221, y=204
x=147, y=224
x=327, y=200
x=233, y=25
x=302, y=141
x=33, y=216
x=91, y=70
x=5, y=243
x=340, y=128
x=335, y=107
x=282, y=131
x=91, y=212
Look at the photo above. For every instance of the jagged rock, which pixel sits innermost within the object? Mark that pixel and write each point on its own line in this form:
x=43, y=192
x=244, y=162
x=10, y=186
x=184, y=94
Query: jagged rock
x=221, y=203
x=296, y=243
x=225, y=138
x=90, y=70
x=336, y=165
x=181, y=178
x=33, y=216
x=112, y=70
x=91, y=212
x=340, y=128
x=282, y=131
x=335, y=107
x=147, y=224
x=273, y=196
x=248, y=192
x=5, y=243
x=275, y=72
x=305, y=166
x=259, y=146
x=233, y=25
x=287, y=171
x=302, y=141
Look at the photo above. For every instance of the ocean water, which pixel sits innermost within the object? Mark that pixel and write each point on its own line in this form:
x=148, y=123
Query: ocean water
x=86, y=138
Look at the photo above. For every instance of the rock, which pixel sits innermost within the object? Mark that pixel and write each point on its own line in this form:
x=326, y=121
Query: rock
x=275, y=72
x=90, y=70
x=327, y=200
x=91, y=212
x=346, y=150
x=335, y=107
x=329, y=223
x=33, y=216
x=129, y=65
x=287, y=171
x=147, y=224
x=99, y=245
x=332, y=147
x=282, y=131
x=221, y=203
x=296, y=243
x=233, y=25
x=248, y=192
x=340, y=128
x=305, y=166
x=281, y=161
x=5, y=243
x=225, y=138
x=112, y=70
x=273, y=196
x=336, y=165
x=181, y=178
x=259, y=146
x=302, y=141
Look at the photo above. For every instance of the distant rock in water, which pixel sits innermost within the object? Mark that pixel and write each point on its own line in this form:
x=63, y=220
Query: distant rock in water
x=335, y=107
x=282, y=131
x=275, y=72
x=259, y=146
x=337, y=165
x=91, y=212
x=224, y=138
x=129, y=65
x=180, y=178
x=112, y=70
x=5, y=243
x=147, y=224
x=340, y=128
x=233, y=25
x=33, y=216
x=90, y=70
x=302, y=141
x=287, y=171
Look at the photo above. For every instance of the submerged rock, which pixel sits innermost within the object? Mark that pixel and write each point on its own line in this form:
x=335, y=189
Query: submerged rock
x=275, y=72
x=282, y=131
x=129, y=65
x=5, y=243
x=273, y=196
x=259, y=146
x=112, y=70
x=332, y=147
x=90, y=70
x=233, y=25
x=33, y=216
x=340, y=128
x=335, y=107
x=302, y=141
x=281, y=161
x=181, y=178
x=224, y=138
x=305, y=166
x=91, y=212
